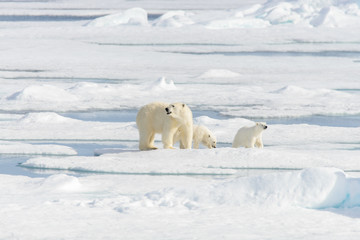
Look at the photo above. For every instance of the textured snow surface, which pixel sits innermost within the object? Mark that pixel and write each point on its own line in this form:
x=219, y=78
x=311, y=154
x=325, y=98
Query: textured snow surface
x=74, y=73
x=95, y=207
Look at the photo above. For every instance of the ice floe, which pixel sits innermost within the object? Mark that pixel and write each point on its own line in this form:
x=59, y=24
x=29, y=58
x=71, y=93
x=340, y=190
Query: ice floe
x=203, y=161
x=20, y=148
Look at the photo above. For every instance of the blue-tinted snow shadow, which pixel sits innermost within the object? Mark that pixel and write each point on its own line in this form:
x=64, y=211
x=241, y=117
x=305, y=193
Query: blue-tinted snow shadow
x=353, y=212
x=99, y=152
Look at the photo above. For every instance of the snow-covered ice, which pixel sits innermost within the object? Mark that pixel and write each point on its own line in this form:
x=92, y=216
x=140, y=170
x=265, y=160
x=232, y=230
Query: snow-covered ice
x=74, y=73
x=312, y=202
x=134, y=16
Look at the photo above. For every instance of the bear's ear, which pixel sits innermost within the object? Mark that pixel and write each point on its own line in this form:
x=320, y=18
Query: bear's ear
x=183, y=105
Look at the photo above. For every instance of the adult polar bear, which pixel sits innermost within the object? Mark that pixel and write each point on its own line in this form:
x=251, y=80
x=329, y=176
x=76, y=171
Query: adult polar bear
x=166, y=119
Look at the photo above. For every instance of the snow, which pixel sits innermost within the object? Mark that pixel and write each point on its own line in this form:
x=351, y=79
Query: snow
x=219, y=161
x=74, y=74
x=134, y=16
x=219, y=73
x=42, y=93
x=162, y=84
x=199, y=205
x=306, y=13
x=174, y=19
x=31, y=149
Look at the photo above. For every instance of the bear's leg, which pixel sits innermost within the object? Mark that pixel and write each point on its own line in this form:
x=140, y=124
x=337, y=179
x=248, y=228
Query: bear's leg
x=259, y=143
x=182, y=145
x=151, y=141
x=196, y=144
x=167, y=138
x=177, y=138
x=252, y=143
x=146, y=141
x=236, y=143
x=187, y=136
x=142, y=141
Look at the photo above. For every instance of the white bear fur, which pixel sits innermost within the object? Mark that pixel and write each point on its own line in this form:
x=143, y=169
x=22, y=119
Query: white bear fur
x=250, y=137
x=201, y=134
x=166, y=119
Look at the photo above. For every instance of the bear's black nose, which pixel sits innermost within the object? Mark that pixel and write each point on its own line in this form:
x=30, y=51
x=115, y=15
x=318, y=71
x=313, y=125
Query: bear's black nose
x=265, y=127
x=168, y=112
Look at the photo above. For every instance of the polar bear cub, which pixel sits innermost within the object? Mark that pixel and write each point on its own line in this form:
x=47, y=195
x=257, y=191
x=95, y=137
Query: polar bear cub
x=250, y=137
x=201, y=134
x=166, y=119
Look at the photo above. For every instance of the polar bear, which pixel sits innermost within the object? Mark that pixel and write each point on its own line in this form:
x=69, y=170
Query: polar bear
x=250, y=137
x=201, y=134
x=166, y=119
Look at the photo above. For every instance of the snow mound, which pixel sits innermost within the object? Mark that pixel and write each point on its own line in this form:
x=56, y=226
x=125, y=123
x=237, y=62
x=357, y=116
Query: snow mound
x=62, y=183
x=237, y=22
x=133, y=16
x=46, y=93
x=309, y=188
x=308, y=13
x=163, y=84
x=84, y=85
x=334, y=17
x=315, y=188
x=219, y=73
x=173, y=19
x=91, y=90
x=292, y=90
x=44, y=117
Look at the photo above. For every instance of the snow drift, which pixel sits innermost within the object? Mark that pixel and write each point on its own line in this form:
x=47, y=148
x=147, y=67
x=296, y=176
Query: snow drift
x=310, y=188
x=315, y=188
x=162, y=84
x=219, y=73
x=174, y=19
x=133, y=16
x=306, y=13
x=44, y=93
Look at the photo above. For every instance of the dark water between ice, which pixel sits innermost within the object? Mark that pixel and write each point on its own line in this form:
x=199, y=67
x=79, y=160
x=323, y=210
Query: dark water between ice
x=326, y=53
x=9, y=163
x=57, y=18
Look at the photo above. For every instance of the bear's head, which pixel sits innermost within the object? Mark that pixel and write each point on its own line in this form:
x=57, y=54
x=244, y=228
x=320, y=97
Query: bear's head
x=178, y=111
x=209, y=140
x=261, y=126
